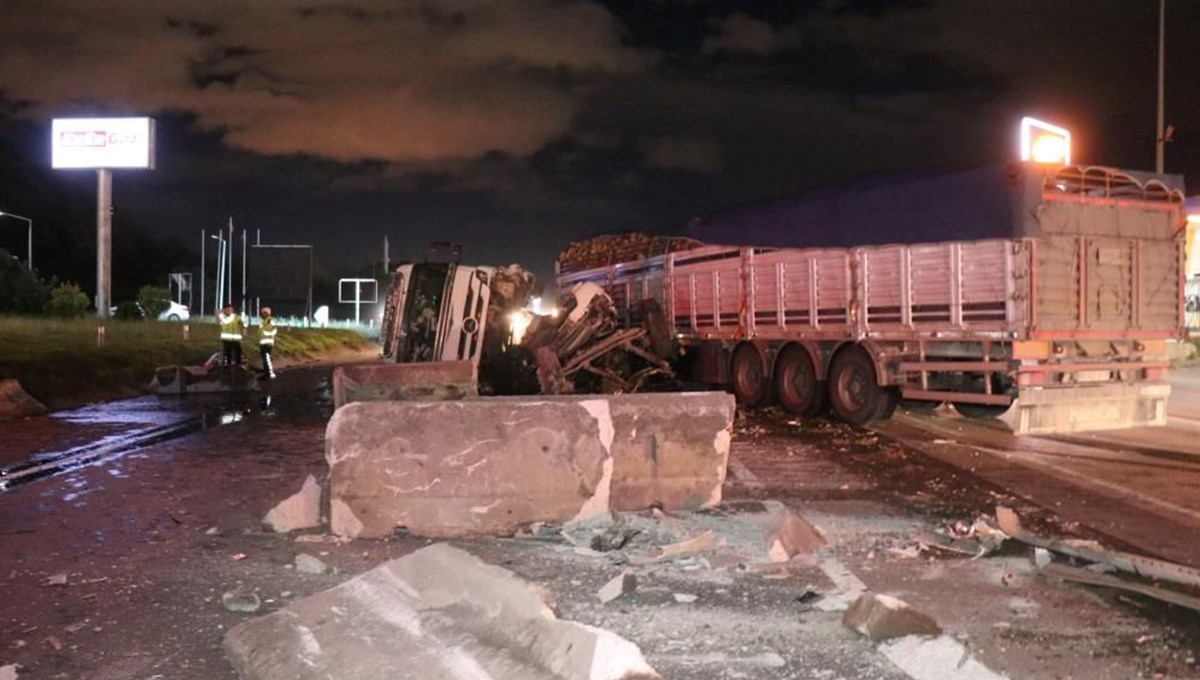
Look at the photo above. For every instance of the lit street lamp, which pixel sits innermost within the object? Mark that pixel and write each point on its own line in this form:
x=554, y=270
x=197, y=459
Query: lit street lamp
x=29, y=252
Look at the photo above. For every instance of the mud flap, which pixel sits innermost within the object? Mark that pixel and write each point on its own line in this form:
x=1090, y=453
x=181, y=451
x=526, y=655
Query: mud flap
x=1087, y=408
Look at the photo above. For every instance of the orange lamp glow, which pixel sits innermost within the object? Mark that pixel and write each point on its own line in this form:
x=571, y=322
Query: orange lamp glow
x=1042, y=142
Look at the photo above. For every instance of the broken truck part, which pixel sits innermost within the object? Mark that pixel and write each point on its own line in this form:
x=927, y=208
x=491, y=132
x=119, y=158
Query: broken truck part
x=1054, y=288
x=490, y=466
x=436, y=313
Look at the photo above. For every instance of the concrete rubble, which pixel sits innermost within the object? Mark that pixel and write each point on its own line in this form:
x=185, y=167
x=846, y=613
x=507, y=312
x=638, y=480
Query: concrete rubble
x=302, y=510
x=622, y=584
x=882, y=617
x=481, y=467
x=438, y=613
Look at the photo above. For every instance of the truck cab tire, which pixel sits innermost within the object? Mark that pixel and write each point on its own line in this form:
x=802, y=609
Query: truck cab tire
x=748, y=377
x=796, y=384
x=854, y=391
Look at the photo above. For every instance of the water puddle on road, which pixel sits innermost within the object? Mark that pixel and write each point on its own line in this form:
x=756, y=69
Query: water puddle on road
x=101, y=433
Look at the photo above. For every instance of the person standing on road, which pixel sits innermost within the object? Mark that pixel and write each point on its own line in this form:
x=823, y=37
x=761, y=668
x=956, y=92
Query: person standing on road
x=266, y=342
x=231, y=335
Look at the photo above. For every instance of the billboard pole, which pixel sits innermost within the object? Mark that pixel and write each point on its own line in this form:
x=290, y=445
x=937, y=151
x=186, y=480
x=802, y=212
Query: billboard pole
x=103, y=241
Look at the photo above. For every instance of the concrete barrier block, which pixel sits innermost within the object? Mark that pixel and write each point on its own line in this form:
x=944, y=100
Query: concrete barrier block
x=671, y=449
x=465, y=468
x=437, y=614
x=489, y=466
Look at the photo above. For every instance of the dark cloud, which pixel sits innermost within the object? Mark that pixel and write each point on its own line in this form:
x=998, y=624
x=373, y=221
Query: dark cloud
x=517, y=124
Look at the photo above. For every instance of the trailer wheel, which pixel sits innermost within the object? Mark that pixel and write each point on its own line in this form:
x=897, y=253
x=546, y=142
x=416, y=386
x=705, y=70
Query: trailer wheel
x=854, y=392
x=981, y=411
x=750, y=383
x=888, y=402
x=796, y=383
x=919, y=405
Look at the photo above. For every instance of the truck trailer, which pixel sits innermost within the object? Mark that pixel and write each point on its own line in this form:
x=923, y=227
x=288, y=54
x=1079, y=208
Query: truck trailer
x=1049, y=291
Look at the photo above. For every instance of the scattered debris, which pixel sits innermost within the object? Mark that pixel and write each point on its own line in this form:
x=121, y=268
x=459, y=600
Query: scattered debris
x=9, y=671
x=212, y=531
x=622, y=584
x=301, y=510
x=53, y=642
x=307, y=564
x=57, y=580
x=685, y=598
x=1094, y=552
x=1090, y=577
x=238, y=557
x=678, y=550
x=882, y=617
x=241, y=601
x=1041, y=557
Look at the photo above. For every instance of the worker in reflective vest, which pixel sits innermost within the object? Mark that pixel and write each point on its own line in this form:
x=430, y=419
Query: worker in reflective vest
x=266, y=342
x=231, y=336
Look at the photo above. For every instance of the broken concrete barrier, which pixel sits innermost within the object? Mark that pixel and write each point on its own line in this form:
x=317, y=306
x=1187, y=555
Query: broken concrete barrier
x=301, y=510
x=437, y=614
x=429, y=381
x=489, y=466
x=882, y=617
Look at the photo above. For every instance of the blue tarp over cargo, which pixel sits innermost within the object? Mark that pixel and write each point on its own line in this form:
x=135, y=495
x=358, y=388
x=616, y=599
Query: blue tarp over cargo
x=993, y=202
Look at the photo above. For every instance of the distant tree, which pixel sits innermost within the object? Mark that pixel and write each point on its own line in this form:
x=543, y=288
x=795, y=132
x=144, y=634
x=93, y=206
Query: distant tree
x=154, y=300
x=68, y=301
x=20, y=291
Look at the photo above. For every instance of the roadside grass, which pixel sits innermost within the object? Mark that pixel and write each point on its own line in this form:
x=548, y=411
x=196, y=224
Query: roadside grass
x=59, y=362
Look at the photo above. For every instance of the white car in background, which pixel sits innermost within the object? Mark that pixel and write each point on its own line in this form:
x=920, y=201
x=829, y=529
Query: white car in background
x=175, y=312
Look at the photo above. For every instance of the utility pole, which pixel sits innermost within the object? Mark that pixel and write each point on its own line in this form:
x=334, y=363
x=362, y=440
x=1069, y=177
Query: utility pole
x=103, y=241
x=387, y=262
x=229, y=261
x=203, y=242
x=243, y=271
x=1160, y=133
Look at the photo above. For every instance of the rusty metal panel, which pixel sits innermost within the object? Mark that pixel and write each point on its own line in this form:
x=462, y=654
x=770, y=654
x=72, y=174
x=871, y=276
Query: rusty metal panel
x=834, y=286
x=1056, y=298
x=883, y=285
x=1072, y=216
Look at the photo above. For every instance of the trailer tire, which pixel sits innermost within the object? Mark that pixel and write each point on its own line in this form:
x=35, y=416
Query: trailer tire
x=981, y=411
x=888, y=403
x=796, y=384
x=854, y=391
x=748, y=377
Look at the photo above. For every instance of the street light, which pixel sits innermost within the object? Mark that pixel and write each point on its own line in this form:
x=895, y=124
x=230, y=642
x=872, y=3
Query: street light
x=29, y=252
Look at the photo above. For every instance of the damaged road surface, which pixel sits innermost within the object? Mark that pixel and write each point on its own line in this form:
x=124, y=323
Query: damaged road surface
x=162, y=567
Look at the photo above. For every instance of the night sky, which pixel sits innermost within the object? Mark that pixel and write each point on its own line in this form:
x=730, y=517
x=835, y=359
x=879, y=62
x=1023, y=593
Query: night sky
x=515, y=126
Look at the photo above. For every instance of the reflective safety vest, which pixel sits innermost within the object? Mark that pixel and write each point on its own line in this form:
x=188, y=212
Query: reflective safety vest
x=231, y=326
x=268, y=332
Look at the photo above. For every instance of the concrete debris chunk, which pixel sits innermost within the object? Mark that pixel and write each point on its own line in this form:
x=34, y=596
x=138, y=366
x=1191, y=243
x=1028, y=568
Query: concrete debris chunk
x=302, y=510
x=623, y=584
x=882, y=617
x=939, y=658
x=685, y=598
x=241, y=601
x=9, y=671
x=307, y=564
x=56, y=580
x=437, y=614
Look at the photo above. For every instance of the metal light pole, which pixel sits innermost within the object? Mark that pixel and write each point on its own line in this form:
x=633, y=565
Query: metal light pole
x=29, y=251
x=1160, y=133
x=203, y=242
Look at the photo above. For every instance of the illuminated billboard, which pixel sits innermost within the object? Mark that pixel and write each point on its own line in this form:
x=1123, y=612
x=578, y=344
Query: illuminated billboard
x=102, y=143
x=1042, y=142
